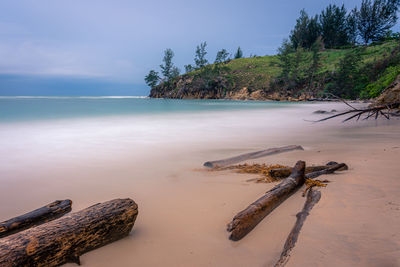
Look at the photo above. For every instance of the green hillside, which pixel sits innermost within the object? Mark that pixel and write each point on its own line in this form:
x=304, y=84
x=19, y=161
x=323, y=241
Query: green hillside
x=375, y=66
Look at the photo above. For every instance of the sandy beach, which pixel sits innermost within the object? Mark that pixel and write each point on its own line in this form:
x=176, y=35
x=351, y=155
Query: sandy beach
x=184, y=209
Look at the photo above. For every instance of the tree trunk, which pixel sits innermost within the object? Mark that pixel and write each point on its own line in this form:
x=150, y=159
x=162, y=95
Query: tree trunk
x=252, y=155
x=44, y=214
x=285, y=172
x=65, y=239
x=247, y=219
x=313, y=197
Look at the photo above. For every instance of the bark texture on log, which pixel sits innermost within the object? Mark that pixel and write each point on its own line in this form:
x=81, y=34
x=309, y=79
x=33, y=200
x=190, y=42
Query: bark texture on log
x=313, y=197
x=331, y=169
x=247, y=219
x=41, y=215
x=285, y=172
x=65, y=239
x=252, y=155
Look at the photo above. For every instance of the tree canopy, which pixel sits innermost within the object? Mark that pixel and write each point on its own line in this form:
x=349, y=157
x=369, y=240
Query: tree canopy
x=167, y=69
x=306, y=31
x=200, y=56
x=375, y=18
x=239, y=53
x=222, y=56
x=338, y=28
x=152, y=78
x=334, y=30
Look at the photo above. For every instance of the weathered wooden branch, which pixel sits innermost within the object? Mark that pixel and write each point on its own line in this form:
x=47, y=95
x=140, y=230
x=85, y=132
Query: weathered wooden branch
x=247, y=219
x=252, y=155
x=41, y=215
x=313, y=197
x=331, y=169
x=285, y=172
x=376, y=111
x=65, y=239
x=280, y=173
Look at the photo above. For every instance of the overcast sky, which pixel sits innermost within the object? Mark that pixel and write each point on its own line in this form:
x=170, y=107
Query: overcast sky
x=121, y=40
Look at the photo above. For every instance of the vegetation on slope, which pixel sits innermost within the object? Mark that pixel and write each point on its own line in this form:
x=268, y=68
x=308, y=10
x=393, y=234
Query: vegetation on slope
x=350, y=54
x=351, y=73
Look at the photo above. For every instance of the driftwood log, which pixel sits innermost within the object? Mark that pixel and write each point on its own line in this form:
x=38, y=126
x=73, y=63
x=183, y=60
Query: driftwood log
x=41, y=215
x=247, y=219
x=65, y=239
x=285, y=172
x=252, y=155
x=313, y=197
x=331, y=169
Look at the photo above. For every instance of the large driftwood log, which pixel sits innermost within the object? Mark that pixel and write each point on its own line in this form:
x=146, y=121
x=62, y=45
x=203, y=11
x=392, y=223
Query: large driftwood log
x=41, y=215
x=247, y=219
x=252, y=155
x=65, y=239
x=313, y=197
x=280, y=173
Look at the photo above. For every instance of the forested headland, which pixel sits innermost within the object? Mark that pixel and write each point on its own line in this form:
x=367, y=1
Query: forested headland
x=352, y=54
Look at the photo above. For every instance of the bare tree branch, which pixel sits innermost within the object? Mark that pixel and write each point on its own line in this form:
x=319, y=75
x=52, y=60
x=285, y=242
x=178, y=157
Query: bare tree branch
x=369, y=112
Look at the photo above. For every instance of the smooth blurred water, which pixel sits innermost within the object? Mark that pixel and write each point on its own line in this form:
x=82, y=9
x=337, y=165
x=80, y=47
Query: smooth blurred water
x=43, y=108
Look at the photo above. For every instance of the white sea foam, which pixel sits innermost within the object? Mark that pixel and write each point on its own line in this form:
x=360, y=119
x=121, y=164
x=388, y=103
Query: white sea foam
x=78, y=139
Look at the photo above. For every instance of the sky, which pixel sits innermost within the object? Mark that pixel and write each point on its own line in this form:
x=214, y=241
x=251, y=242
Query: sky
x=71, y=47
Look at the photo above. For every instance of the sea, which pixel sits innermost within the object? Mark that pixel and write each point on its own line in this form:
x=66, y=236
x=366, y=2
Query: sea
x=37, y=131
x=29, y=108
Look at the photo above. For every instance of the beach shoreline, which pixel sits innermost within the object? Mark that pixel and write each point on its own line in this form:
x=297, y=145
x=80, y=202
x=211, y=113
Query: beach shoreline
x=183, y=210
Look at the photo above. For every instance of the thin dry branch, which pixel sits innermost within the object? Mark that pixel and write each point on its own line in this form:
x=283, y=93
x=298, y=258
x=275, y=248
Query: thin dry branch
x=342, y=100
x=369, y=112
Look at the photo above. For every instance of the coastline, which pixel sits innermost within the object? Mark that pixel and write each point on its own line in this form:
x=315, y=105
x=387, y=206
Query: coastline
x=183, y=211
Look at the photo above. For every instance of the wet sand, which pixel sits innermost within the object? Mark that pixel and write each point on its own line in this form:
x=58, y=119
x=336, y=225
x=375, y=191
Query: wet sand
x=183, y=211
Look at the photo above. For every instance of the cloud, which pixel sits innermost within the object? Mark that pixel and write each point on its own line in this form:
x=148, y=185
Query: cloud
x=30, y=57
x=51, y=58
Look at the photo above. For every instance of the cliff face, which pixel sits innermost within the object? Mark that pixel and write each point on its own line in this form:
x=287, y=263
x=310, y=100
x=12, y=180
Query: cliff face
x=189, y=87
x=391, y=94
x=241, y=79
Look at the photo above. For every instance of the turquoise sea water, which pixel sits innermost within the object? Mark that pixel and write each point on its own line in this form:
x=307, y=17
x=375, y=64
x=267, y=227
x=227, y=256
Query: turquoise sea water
x=43, y=108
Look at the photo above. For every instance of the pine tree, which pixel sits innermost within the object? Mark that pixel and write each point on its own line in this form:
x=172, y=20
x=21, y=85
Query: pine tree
x=175, y=72
x=345, y=79
x=200, y=57
x=306, y=31
x=152, y=78
x=315, y=63
x=222, y=56
x=189, y=68
x=374, y=19
x=239, y=53
x=298, y=68
x=285, y=56
x=167, y=67
x=333, y=21
x=351, y=27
